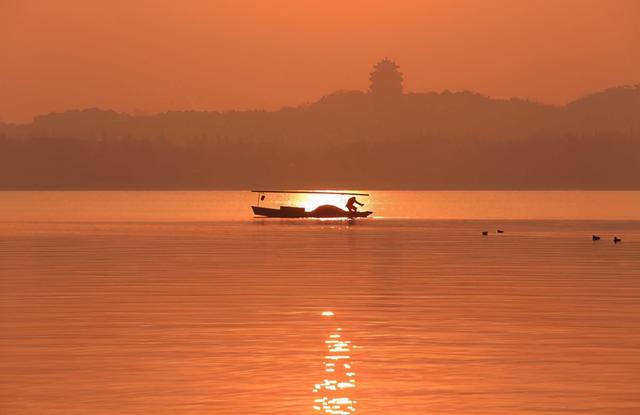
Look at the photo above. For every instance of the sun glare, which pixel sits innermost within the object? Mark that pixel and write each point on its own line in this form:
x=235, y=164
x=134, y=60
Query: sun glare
x=312, y=201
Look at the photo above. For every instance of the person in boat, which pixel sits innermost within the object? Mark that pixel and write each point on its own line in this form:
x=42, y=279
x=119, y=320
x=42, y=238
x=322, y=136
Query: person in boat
x=351, y=204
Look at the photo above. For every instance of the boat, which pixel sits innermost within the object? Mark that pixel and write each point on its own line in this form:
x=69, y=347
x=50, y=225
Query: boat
x=323, y=211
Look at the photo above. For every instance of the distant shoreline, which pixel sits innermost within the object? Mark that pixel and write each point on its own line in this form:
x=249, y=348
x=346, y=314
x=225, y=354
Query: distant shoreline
x=448, y=141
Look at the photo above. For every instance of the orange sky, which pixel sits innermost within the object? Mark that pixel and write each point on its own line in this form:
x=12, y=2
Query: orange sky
x=156, y=55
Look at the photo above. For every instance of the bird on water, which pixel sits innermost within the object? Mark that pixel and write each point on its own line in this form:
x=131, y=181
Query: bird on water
x=616, y=240
x=595, y=238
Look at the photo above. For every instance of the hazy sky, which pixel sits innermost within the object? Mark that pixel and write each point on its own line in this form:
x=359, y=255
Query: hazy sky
x=155, y=55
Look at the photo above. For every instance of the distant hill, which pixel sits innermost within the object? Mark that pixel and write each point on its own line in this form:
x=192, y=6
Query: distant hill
x=442, y=140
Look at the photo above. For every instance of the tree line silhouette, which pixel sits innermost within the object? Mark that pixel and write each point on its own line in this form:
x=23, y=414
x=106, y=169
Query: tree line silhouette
x=382, y=138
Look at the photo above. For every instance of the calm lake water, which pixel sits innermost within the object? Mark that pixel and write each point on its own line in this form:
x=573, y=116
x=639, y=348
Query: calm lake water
x=182, y=303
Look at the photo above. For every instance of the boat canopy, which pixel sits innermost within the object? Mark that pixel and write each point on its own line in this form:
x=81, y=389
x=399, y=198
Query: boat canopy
x=322, y=192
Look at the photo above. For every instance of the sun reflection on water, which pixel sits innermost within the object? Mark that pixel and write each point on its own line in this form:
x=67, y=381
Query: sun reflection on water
x=331, y=394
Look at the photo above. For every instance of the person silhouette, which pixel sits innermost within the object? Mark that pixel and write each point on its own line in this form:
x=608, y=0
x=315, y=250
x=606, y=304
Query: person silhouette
x=351, y=204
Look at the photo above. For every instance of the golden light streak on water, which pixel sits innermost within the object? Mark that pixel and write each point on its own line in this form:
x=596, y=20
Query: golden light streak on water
x=333, y=399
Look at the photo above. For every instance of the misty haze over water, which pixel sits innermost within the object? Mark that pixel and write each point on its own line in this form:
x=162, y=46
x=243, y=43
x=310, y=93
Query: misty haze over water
x=417, y=207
